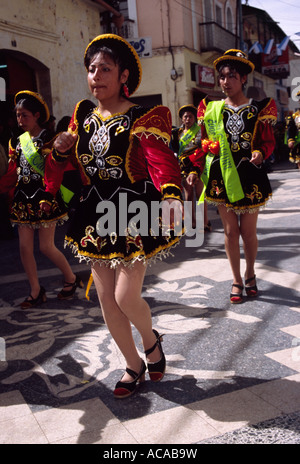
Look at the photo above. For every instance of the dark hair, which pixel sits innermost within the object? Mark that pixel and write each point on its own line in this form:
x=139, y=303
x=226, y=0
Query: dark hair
x=63, y=124
x=32, y=105
x=94, y=49
x=238, y=67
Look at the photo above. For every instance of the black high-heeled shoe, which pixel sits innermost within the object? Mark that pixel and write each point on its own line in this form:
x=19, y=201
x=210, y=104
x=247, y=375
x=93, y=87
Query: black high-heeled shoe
x=125, y=389
x=251, y=290
x=30, y=302
x=66, y=294
x=156, y=369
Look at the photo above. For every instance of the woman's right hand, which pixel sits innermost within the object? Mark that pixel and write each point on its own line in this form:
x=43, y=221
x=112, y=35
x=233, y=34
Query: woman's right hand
x=192, y=178
x=64, y=142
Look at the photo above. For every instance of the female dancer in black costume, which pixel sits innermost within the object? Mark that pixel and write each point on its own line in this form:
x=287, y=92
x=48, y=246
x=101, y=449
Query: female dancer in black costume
x=123, y=156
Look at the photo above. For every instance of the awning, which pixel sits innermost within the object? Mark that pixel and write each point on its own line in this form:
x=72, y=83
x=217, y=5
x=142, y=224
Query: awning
x=216, y=94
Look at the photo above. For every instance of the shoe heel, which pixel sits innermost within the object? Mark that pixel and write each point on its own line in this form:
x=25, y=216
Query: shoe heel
x=157, y=369
x=32, y=302
x=79, y=282
x=142, y=378
x=66, y=294
x=251, y=290
x=43, y=295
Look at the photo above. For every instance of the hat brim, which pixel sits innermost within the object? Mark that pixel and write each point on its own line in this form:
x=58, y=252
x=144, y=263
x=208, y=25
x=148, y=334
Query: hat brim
x=124, y=49
x=249, y=66
x=45, y=113
x=185, y=108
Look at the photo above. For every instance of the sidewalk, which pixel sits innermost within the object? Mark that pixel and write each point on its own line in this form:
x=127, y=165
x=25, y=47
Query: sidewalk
x=233, y=371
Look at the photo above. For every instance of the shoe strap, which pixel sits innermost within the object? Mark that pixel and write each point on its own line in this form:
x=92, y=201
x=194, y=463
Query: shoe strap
x=249, y=280
x=238, y=286
x=152, y=348
x=132, y=373
x=69, y=284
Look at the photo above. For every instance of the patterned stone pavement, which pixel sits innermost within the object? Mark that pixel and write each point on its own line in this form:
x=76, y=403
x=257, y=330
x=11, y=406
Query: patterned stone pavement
x=233, y=370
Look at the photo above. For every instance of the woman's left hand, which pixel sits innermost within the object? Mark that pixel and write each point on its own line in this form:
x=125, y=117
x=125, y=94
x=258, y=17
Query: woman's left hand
x=257, y=158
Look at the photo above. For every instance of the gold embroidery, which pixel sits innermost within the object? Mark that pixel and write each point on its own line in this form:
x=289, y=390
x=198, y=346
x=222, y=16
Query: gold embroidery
x=103, y=174
x=247, y=136
x=85, y=158
x=97, y=242
x=114, y=160
x=119, y=130
x=215, y=188
x=113, y=237
x=255, y=194
x=136, y=241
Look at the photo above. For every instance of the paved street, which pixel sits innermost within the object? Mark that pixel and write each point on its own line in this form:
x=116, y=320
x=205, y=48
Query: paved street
x=233, y=371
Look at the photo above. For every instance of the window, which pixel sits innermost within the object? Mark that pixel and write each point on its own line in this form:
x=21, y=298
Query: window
x=219, y=15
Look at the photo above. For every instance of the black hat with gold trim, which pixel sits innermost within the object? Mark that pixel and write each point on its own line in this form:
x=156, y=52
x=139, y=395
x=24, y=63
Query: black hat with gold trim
x=36, y=98
x=235, y=56
x=185, y=108
x=125, y=51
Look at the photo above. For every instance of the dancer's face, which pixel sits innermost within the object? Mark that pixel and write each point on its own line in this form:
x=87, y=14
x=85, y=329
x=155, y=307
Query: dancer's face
x=188, y=119
x=27, y=121
x=231, y=81
x=104, y=78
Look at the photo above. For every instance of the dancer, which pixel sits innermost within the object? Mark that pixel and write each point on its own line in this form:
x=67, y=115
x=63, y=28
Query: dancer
x=25, y=174
x=293, y=136
x=237, y=135
x=186, y=143
x=123, y=155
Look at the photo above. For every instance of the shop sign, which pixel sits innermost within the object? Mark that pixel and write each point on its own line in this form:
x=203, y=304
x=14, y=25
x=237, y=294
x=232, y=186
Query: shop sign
x=143, y=46
x=274, y=65
x=205, y=76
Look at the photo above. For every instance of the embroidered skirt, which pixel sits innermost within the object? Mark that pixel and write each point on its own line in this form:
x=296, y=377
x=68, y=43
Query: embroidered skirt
x=254, y=181
x=119, y=227
x=25, y=209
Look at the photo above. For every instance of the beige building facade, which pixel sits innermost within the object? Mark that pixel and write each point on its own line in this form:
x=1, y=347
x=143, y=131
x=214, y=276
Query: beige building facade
x=186, y=38
x=42, y=45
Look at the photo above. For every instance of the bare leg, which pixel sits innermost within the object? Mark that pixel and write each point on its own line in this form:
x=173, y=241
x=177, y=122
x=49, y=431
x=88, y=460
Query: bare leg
x=250, y=242
x=230, y=222
x=26, y=245
x=49, y=249
x=189, y=196
x=119, y=293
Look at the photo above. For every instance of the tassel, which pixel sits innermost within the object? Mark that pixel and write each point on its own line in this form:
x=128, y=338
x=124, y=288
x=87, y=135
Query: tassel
x=126, y=90
x=88, y=287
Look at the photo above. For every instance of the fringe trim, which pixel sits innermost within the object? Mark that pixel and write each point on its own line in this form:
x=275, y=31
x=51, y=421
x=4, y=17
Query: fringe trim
x=38, y=225
x=241, y=210
x=114, y=262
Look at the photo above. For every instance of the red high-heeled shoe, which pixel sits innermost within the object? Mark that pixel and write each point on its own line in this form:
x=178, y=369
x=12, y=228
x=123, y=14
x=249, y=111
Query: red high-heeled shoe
x=125, y=389
x=156, y=369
